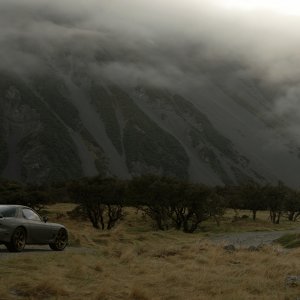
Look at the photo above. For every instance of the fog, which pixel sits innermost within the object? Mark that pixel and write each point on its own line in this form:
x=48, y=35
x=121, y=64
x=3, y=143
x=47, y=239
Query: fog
x=173, y=44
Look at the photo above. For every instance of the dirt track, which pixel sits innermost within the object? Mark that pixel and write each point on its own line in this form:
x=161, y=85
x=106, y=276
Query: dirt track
x=246, y=239
x=238, y=239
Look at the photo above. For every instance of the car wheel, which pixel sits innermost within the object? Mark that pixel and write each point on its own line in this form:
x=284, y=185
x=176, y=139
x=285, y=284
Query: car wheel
x=18, y=240
x=61, y=240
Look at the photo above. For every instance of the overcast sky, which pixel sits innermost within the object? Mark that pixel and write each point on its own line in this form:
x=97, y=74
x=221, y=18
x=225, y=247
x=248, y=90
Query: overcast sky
x=160, y=42
x=260, y=36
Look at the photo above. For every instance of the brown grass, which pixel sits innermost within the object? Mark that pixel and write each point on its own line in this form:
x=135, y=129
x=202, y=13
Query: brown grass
x=137, y=263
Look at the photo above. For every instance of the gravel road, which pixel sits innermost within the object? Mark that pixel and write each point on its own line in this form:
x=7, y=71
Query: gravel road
x=238, y=239
x=246, y=239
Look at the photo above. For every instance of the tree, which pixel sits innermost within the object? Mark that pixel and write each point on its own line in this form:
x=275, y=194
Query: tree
x=176, y=203
x=114, y=192
x=152, y=194
x=253, y=197
x=171, y=202
x=232, y=197
x=86, y=193
x=216, y=205
x=275, y=199
x=292, y=204
x=101, y=198
x=196, y=207
x=11, y=192
x=34, y=196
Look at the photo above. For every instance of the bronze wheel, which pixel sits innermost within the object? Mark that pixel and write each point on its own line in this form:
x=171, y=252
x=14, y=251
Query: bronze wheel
x=61, y=240
x=18, y=240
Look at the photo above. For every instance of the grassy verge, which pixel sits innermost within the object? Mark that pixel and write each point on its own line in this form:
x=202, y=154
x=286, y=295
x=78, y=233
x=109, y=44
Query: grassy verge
x=133, y=262
x=289, y=241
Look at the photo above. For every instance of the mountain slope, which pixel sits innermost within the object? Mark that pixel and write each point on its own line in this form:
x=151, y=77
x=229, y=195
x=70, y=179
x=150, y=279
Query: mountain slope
x=65, y=123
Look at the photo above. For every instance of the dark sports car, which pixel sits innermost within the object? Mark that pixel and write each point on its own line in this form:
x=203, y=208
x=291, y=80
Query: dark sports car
x=20, y=225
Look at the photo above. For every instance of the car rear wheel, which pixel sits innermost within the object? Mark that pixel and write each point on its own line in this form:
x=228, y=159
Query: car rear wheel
x=61, y=240
x=18, y=240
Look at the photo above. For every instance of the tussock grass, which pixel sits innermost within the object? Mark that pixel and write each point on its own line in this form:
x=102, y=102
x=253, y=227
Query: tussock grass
x=138, y=294
x=129, y=263
x=41, y=290
x=289, y=240
x=230, y=224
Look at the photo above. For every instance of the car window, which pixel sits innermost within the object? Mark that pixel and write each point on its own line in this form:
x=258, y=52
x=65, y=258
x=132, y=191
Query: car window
x=8, y=212
x=30, y=215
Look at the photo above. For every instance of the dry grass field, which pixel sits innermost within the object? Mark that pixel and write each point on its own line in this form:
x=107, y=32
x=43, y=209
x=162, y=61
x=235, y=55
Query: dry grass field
x=133, y=261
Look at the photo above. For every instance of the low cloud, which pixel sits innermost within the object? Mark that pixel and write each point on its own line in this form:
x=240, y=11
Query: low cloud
x=172, y=44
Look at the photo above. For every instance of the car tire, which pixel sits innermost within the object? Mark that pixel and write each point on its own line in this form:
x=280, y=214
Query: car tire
x=61, y=240
x=18, y=240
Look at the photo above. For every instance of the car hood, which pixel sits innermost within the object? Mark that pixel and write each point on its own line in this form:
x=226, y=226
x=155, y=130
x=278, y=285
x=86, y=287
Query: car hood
x=55, y=225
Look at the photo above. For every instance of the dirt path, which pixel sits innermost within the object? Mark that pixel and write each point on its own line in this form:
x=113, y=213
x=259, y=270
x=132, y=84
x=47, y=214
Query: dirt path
x=238, y=239
x=246, y=239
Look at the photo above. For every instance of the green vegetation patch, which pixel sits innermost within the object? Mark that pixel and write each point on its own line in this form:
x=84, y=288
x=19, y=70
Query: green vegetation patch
x=290, y=240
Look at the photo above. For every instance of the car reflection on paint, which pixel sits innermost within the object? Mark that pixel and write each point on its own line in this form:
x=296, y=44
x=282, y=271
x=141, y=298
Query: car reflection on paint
x=21, y=225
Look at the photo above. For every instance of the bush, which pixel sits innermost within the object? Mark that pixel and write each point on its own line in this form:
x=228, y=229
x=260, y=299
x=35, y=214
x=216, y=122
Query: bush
x=101, y=200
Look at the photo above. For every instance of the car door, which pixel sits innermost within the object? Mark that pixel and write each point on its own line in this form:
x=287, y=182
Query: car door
x=38, y=231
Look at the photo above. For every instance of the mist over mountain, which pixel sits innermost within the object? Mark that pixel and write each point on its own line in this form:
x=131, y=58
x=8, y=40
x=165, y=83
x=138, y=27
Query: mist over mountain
x=194, y=90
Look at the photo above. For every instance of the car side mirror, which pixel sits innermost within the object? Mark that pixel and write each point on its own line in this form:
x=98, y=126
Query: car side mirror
x=45, y=219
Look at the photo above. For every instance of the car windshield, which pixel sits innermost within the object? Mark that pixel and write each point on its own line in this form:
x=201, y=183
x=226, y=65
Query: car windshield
x=8, y=212
x=30, y=215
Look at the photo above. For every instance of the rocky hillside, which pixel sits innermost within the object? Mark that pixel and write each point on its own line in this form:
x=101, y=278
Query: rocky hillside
x=62, y=123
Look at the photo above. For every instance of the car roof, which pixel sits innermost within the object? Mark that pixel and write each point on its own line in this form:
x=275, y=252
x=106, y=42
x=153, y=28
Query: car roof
x=13, y=205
